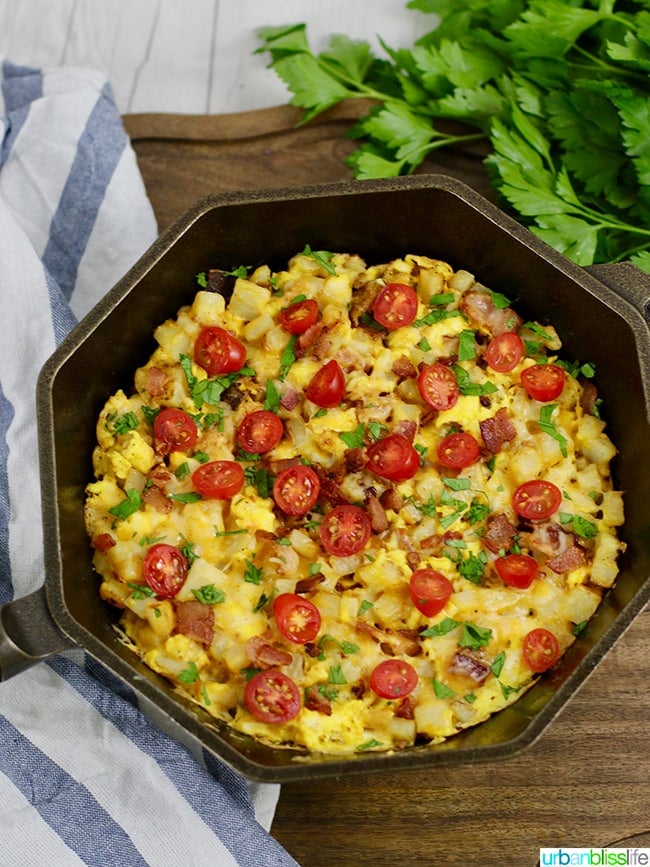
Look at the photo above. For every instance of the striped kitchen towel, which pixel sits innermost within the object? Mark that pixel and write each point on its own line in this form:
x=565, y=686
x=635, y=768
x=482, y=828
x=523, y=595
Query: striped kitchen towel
x=85, y=776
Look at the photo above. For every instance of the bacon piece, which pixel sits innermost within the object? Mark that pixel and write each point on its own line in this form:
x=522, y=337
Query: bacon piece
x=479, y=307
x=314, y=341
x=497, y=430
x=276, y=467
x=306, y=585
x=315, y=700
x=404, y=368
x=569, y=560
x=156, y=380
x=406, y=708
x=155, y=493
x=391, y=499
x=103, y=542
x=289, y=400
x=355, y=459
x=265, y=655
x=588, y=397
x=401, y=642
x=377, y=514
x=499, y=534
x=195, y=620
x=406, y=429
x=470, y=663
x=331, y=491
x=413, y=560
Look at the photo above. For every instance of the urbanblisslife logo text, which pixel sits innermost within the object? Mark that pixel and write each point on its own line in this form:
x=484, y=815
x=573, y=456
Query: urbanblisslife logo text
x=593, y=857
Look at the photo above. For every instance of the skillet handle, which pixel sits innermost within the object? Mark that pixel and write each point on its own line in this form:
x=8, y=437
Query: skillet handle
x=627, y=280
x=28, y=634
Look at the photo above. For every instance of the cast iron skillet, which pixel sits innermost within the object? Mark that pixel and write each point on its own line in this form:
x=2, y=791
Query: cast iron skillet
x=601, y=317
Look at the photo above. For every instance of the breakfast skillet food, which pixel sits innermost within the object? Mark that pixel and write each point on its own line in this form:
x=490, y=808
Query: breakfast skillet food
x=353, y=507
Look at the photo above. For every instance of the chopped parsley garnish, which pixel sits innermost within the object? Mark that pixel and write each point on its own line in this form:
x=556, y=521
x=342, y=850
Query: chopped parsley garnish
x=336, y=675
x=288, y=357
x=140, y=591
x=354, y=438
x=468, y=387
x=547, y=425
x=128, y=506
x=323, y=258
x=442, y=690
x=209, y=390
x=124, y=423
x=190, y=674
x=209, y=594
x=252, y=574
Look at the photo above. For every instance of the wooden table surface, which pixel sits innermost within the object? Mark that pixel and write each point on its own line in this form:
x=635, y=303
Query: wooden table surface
x=586, y=781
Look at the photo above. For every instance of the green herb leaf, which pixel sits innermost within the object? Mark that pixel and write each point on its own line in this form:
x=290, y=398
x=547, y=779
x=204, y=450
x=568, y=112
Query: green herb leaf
x=209, y=594
x=128, y=506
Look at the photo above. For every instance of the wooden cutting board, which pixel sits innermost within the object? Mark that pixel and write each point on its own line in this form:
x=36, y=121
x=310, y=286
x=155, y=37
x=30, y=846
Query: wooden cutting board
x=586, y=781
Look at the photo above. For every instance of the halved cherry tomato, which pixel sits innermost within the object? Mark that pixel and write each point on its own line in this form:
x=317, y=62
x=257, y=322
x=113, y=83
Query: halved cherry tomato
x=345, y=531
x=296, y=489
x=438, y=386
x=505, y=351
x=165, y=569
x=174, y=431
x=540, y=650
x=393, y=678
x=395, y=305
x=430, y=591
x=394, y=458
x=327, y=386
x=543, y=382
x=272, y=697
x=537, y=499
x=218, y=351
x=297, y=618
x=517, y=570
x=259, y=431
x=219, y=480
x=298, y=317
x=458, y=450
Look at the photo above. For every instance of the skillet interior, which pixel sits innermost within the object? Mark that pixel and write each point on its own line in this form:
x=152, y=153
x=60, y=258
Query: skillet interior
x=434, y=216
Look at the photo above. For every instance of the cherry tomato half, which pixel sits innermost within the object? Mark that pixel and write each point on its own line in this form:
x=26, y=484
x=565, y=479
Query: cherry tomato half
x=517, y=570
x=430, y=591
x=345, y=531
x=297, y=618
x=272, y=697
x=259, y=431
x=438, y=386
x=395, y=305
x=504, y=352
x=165, y=569
x=537, y=499
x=394, y=458
x=296, y=490
x=458, y=450
x=174, y=431
x=393, y=678
x=218, y=351
x=540, y=650
x=543, y=382
x=298, y=317
x=327, y=386
x=219, y=480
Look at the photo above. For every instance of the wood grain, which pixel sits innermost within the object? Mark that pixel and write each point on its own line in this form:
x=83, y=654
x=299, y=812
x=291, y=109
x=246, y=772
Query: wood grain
x=586, y=781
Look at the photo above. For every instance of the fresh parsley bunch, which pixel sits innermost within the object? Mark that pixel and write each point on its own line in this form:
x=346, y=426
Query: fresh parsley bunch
x=559, y=92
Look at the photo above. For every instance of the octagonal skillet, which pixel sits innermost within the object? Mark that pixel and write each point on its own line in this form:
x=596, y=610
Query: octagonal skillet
x=600, y=315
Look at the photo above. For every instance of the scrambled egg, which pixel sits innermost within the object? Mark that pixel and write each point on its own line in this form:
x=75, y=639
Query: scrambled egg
x=211, y=580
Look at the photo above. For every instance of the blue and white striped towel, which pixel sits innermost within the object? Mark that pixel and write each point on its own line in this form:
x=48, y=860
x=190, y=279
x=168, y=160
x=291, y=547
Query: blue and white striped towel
x=85, y=776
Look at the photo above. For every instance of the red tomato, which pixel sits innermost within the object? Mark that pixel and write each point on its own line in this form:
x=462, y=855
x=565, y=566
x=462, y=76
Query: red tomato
x=174, y=431
x=272, y=697
x=327, y=386
x=395, y=305
x=260, y=431
x=537, y=499
x=393, y=678
x=218, y=351
x=430, y=591
x=517, y=570
x=438, y=386
x=394, y=458
x=298, y=317
x=165, y=569
x=297, y=618
x=219, y=480
x=540, y=650
x=543, y=382
x=345, y=531
x=458, y=450
x=504, y=352
x=296, y=490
